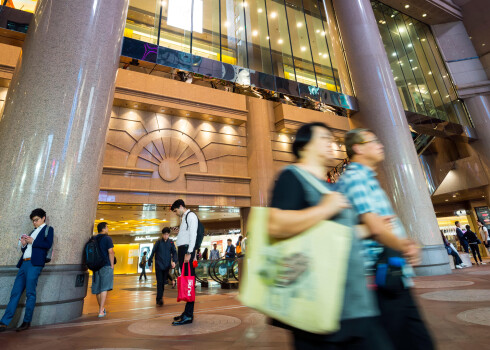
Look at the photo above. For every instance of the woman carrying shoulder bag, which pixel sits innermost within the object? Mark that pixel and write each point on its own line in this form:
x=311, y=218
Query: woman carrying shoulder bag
x=298, y=206
x=474, y=241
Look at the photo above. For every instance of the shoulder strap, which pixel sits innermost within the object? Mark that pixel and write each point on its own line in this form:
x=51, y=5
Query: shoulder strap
x=46, y=232
x=311, y=179
x=188, y=215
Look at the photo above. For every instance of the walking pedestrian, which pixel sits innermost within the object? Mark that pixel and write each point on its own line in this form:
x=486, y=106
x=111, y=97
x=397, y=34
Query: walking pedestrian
x=186, y=241
x=103, y=279
x=214, y=252
x=143, y=262
x=165, y=258
x=399, y=313
x=297, y=206
x=474, y=244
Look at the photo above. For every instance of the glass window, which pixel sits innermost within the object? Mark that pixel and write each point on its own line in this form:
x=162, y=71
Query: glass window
x=282, y=58
x=233, y=41
x=300, y=44
x=206, y=43
x=172, y=36
x=142, y=20
x=258, y=40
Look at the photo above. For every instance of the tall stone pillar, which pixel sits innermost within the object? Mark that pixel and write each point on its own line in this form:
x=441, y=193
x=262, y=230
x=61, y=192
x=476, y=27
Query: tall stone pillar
x=52, y=138
x=381, y=110
x=260, y=122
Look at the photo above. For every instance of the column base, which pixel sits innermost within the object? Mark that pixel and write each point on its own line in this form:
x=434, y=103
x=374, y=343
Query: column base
x=60, y=292
x=435, y=261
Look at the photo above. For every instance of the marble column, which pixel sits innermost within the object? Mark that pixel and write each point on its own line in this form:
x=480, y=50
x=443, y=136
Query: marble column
x=260, y=121
x=381, y=110
x=52, y=138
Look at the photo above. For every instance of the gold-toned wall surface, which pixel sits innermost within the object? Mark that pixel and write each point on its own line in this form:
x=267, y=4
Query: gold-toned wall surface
x=155, y=158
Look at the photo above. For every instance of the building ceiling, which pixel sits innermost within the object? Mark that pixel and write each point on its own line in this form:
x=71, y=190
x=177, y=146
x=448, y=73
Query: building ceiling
x=436, y=11
x=477, y=23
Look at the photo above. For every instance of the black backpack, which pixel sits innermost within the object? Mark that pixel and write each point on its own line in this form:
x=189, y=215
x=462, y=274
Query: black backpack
x=94, y=259
x=200, y=231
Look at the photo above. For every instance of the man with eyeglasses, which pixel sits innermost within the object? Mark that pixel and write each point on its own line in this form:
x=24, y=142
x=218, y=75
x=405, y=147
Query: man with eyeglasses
x=34, y=247
x=386, y=243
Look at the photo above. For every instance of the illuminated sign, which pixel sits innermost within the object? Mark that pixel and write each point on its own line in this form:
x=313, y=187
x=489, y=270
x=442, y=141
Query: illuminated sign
x=145, y=238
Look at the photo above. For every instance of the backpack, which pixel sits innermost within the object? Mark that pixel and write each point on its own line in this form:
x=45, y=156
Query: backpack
x=200, y=231
x=49, y=254
x=94, y=259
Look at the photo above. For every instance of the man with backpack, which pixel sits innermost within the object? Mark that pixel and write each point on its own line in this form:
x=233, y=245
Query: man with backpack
x=190, y=237
x=36, y=248
x=99, y=253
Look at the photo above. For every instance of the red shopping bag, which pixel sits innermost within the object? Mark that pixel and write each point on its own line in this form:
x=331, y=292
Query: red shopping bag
x=185, y=285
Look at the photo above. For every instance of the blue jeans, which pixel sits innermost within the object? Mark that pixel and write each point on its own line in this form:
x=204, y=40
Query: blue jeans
x=26, y=280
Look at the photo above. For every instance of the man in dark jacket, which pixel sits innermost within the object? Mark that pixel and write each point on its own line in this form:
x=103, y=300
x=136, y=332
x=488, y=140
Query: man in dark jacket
x=230, y=250
x=34, y=247
x=462, y=239
x=165, y=257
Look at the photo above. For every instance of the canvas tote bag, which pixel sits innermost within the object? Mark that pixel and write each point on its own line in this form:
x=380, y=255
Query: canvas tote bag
x=299, y=281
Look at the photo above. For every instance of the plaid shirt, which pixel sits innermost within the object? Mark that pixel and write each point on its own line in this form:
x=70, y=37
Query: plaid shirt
x=361, y=187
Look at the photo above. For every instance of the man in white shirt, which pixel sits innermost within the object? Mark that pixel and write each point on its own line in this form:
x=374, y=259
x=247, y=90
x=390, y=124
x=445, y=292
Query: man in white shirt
x=186, y=241
x=214, y=253
x=484, y=234
x=34, y=247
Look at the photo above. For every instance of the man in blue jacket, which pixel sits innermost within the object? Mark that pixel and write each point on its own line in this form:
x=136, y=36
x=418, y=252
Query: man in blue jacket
x=35, y=247
x=462, y=238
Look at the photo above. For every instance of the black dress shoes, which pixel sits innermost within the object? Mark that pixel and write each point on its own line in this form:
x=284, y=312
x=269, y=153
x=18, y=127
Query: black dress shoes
x=23, y=327
x=3, y=327
x=160, y=302
x=183, y=320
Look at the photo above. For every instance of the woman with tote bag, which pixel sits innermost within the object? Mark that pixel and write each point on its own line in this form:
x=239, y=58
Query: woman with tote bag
x=302, y=200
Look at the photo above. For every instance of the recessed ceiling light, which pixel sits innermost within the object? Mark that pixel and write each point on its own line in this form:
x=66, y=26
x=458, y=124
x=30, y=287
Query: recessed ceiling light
x=101, y=218
x=259, y=10
x=299, y=24
x=318, y=31
x=447, y=200
x=273, y=14
x=393, y=54
x=325, y=55
x=303, y=48
x=280, y=41
x=483, y=44
x=392, y=16
x=255, y=33
x=163, y=110
x=424, y=15
x=267, y=38
x=323, y=33
x=407, y=6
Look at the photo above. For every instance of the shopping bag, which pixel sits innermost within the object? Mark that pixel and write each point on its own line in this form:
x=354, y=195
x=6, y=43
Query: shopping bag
x=185, y=285
x=299, y=281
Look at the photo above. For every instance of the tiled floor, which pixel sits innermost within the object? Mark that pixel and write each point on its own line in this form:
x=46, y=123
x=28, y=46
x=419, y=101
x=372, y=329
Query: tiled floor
x=456, y=307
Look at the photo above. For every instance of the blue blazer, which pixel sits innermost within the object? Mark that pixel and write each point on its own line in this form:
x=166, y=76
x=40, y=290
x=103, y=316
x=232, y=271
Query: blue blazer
x=40, y=248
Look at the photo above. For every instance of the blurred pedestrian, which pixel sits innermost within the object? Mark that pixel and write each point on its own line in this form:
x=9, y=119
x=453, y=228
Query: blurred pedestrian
x=297, y=206
x=143, y=262
x=463, y=241
x=214, y=252
x=205, y=254
x=484, y=234
x=389, y=245
x=474, y=244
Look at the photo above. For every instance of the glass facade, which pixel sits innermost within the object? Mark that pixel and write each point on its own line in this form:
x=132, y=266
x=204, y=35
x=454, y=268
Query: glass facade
x=290, y=39
x=421, y=76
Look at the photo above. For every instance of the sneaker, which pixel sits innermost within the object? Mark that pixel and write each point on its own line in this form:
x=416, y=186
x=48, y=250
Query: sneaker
x=483, y=263
x=459, y=266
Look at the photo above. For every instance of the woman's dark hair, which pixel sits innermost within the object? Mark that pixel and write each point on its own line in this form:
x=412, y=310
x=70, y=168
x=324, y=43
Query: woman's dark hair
x=468, y=227
x=166, y=230
x=144, y=253
x=304, y=135
x=37, y=212
x=101, y=226
x=177, y=204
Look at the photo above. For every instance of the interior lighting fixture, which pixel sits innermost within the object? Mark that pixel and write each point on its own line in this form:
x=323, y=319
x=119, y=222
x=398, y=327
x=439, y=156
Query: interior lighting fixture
x=396, y=78
x=226, y=24
x=410, y=23
x=299, y=24
x=135, y=106
x=424, y=15
x=392, y=16
x=325, y=55
x=407, y=6
x=422, y=40
x=164, y=3
x=303, y=48
x=434, y=92
x=273, y=14
x=430, y=73
x=414, y=68
x=323, y=33
x=483, y=44
x=280, y=41
x=244, y=4
x=409, y=45
x=255, y=33
x=101, y=218
x=259, y=10
x=393, y=54
x=318, y=31
x=163, y=110
x=267, y=38
x=447, y=95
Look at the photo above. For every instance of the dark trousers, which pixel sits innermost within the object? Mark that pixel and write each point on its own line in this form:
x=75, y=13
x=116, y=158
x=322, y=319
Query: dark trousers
x=371, y=337
x=143, y=273
x=457, y=259
x=402, y=321
x=464, y=245
x=26, y=280
x=182, y=250
x=475, y=251
x=162, y=276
